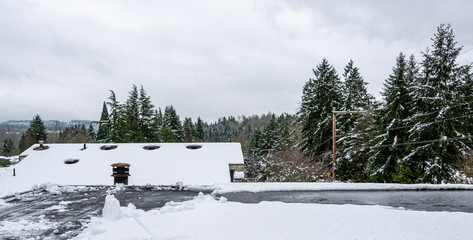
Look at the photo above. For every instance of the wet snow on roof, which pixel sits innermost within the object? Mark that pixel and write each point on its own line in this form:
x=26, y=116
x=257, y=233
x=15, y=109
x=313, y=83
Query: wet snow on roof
x=70, y=164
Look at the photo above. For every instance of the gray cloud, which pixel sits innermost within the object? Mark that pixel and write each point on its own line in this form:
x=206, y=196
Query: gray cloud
x=207, y=58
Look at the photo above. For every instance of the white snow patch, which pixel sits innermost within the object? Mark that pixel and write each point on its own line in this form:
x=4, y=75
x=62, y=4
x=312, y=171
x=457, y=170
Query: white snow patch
x=22, y=227
x=58, y=208
x=111, y=209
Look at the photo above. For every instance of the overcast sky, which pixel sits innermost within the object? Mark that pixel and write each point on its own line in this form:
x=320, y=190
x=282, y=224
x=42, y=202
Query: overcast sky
x=59, y=59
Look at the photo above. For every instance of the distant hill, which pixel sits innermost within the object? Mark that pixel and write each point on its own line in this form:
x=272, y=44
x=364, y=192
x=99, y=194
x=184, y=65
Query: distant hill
x=51, y=125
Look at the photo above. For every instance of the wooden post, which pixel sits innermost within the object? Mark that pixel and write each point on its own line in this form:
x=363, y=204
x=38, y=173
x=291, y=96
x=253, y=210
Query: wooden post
x=232, y=175
x=334, y=144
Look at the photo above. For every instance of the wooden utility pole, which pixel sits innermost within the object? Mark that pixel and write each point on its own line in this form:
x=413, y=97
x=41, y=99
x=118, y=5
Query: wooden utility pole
x=334, y=138
x=334, y=144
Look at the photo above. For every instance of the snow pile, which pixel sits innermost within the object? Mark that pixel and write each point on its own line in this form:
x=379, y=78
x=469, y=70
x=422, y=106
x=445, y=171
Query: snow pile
x=25, y=227
x=208, y=218
x=111, y=209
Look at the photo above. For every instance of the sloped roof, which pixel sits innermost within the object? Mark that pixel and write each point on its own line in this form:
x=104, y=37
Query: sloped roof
x=164, y=164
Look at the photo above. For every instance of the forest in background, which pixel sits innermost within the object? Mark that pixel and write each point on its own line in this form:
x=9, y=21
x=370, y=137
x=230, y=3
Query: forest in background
x=419, y=132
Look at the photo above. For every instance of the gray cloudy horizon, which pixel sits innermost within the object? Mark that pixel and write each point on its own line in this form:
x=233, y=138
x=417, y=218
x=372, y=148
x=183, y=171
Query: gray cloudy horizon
x=59, y=59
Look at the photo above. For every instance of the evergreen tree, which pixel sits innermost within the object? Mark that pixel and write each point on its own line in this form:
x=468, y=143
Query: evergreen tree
x=352, y=161
x=133, y=129
x=38, y=129
x=199, y=130
x=356, y=97
x=391, y=124
x=27, y=140
x=171, y=120
x=466, y=107
x=319, y=96
x=157, y=125
x=269, y=140
x=146, y=116
x=117, y=120
x=188, y=130
x=436, y=114
x=7, y=147
x=167, y=135
x=103, y=134
x=253, y=164
x=285, y=140
x=74, y=134
x=91, y=132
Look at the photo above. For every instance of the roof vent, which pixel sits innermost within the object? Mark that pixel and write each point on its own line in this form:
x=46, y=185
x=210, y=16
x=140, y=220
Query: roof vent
x=193, y=147
x=41, y=146
x=108, y=147
x=71, y=161
x=151, y=147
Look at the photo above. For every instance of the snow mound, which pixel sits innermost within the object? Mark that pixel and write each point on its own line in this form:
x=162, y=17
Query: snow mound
x=111, y=209
x=19, y=228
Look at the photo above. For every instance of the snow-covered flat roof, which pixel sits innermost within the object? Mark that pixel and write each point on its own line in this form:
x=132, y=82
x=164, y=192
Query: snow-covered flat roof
x=166, y=164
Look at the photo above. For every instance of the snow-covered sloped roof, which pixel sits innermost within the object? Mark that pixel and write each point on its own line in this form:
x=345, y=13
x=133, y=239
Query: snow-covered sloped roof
x=166, y=165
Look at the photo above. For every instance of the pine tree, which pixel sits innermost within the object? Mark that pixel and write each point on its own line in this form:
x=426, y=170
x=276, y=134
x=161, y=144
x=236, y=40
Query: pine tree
x=167, y=135
x=38, y=129
x=466, y=107
x=157, y=125
x=319, y=96
x=74, y=134
x=27, y=140
x=103, y=134
x=91, y=132
x=436, y=112
x=352, y=161
x=171, y=120
x=133, y=130
x=146, y=116
x=390, y=125
x=199, y=130
x=117, y=120
x=356, y=97
x=188, y=130
x=350, y=127
x=284, y=131
x=269, y=137
x=7, y=147
x=253, y=164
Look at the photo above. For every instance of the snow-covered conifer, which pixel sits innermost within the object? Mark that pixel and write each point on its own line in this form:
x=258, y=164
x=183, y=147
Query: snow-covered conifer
x=438, y=138
x=390, y=125
x=319, y=96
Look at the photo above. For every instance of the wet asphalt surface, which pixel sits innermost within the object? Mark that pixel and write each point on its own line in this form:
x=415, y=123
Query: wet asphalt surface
x=66, y=213
x=450, y=201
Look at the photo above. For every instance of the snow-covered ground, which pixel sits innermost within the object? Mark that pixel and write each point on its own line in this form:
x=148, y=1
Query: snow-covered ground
x=208, y=218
